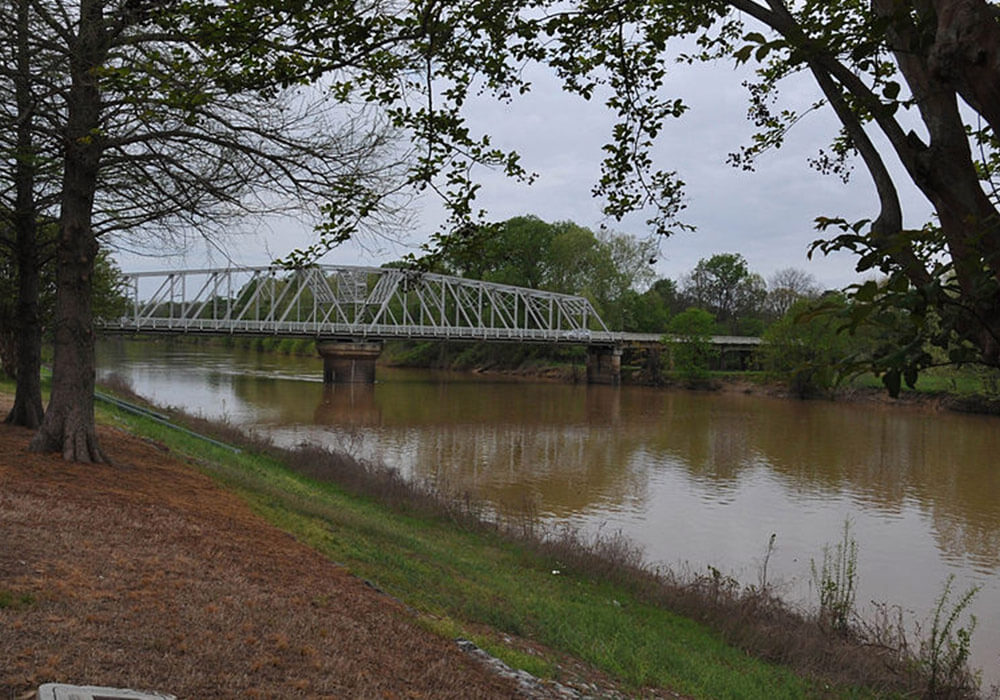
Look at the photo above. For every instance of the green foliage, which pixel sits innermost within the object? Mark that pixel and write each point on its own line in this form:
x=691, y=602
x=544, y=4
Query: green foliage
x=305, y=347
x=109, y=299
x=819, y=344
x=668, y=293
x=286, y=346
x=416, y=354
x=724, y=285
x=561, y=257
x=690, y=342
x=15, y=601
x=808, y=345
x=644, y=313
x=917, y=326
x=418, y=64
x=480, y=356
x=945, y=652
x=836, y=581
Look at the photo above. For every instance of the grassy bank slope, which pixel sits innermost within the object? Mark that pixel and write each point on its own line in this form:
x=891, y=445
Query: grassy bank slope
x=483, y=586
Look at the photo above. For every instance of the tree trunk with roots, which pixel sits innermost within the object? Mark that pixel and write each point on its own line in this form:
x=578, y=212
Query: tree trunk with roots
x=27, y=410
x=68, y=426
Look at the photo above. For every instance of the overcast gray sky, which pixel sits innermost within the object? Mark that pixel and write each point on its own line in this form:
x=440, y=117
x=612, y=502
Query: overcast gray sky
x=767, y=215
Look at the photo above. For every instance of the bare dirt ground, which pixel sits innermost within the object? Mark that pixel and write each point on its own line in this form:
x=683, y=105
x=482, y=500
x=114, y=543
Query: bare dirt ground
x=144, y=574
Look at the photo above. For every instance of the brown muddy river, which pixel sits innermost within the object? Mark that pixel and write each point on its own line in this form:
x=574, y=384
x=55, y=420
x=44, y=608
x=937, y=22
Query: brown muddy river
x=696, y=479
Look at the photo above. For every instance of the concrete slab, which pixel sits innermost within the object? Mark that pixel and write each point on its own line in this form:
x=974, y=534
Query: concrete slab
x=60, y=691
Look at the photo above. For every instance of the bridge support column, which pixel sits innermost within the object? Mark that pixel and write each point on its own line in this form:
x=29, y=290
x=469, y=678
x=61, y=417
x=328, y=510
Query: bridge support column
x=604, y=365
x=349, y=363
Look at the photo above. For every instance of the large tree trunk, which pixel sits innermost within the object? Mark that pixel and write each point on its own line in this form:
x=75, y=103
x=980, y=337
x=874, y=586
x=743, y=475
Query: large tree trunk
x=68, y=426
x=27, y=409
x=966, y=54
x=954, y=53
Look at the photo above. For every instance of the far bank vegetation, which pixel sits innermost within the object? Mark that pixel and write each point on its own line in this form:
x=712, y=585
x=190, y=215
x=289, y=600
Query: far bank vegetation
x=817, y=343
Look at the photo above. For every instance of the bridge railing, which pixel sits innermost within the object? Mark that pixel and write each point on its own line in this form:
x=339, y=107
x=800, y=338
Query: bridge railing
x=362, y=302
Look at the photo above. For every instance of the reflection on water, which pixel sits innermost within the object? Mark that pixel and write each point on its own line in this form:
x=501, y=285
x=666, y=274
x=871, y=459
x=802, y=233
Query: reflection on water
x=696, y=478
x=348, y=404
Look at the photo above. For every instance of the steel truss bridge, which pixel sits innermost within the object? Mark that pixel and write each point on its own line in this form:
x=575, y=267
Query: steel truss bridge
x=360, y=303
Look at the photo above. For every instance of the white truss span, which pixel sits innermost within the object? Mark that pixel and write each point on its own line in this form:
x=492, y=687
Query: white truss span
x=353, y=302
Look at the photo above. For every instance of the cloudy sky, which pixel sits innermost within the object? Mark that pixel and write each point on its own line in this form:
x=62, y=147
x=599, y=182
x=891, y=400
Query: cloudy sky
x=767, y=215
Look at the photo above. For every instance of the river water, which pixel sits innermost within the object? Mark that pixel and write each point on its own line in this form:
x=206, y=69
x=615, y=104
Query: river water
x=696, y=479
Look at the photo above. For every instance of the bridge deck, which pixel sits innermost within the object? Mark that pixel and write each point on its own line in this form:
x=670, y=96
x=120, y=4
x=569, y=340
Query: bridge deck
x=724, y=341
x=363, y=303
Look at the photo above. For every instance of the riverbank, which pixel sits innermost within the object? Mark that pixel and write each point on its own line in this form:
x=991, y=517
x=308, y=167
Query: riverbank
x=960, y=391
x=145, y=573
x=863, y=390
x=456, y=579
x=963, y=391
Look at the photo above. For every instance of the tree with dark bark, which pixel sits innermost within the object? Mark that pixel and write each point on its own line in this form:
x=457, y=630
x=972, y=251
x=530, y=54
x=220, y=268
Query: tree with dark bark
x=141, y=140
x=23, y=206
x=420, y=61
x=109, y=300
x=881, y=66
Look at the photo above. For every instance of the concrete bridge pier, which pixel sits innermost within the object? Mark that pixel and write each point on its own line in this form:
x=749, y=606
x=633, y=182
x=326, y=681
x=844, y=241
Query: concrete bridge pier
x=349, y=363
x=604, y=365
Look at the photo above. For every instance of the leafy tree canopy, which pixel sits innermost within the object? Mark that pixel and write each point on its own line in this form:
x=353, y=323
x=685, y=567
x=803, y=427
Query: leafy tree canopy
x=108, y=298
x=114, y=120
x=560, y=257
x=895, y=68
x=808, y=345
x=690, y=340
x=899, y=69
x=724, y=285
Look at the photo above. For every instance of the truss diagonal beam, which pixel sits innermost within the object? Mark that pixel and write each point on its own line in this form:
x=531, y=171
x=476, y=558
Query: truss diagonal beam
x=353, y=302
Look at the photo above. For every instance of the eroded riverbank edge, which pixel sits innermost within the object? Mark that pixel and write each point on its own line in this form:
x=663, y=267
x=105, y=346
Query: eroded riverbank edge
x=757, y=384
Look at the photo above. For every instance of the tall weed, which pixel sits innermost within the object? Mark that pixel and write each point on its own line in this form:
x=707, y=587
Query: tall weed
x=836, y=581
x=944, y=654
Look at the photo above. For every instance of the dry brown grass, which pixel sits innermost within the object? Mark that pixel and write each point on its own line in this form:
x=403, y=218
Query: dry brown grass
x=145, y=574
